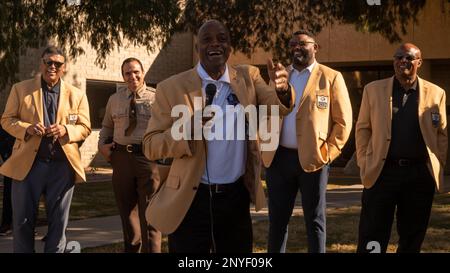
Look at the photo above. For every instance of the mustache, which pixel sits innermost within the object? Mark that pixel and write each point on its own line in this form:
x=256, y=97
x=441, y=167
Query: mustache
x=300, y=56
x=300, y=53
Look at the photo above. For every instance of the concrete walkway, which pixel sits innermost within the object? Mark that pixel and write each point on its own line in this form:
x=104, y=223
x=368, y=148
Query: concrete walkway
x=88, y=233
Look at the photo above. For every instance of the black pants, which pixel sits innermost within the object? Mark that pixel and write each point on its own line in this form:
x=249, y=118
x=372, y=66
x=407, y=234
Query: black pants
x=232, y=226
x=285, y=178
x=7, y=208
x=411, y=191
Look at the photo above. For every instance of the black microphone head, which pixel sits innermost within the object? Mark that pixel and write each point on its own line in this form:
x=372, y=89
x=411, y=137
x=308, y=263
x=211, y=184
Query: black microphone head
x=210, y=91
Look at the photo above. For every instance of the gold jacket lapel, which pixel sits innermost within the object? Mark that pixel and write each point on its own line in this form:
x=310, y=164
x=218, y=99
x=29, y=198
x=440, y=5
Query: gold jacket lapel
x=63, y=98
x=311, y=84
x=195, y=89
x=238, y=87
x=387, y=93
x=423, y=90
x=37, y=98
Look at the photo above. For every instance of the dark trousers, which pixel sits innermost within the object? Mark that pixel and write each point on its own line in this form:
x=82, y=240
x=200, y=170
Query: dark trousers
x=54, y=180
x=231, y=223
x=7, y=208
x=410, y=190
x=7, y=181
x=285, y=177
x=133, y=187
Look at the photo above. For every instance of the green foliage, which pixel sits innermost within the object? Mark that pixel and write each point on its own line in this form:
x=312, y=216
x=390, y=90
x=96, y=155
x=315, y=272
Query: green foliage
x=150, y=23
x=269, y=24
x=104, y=24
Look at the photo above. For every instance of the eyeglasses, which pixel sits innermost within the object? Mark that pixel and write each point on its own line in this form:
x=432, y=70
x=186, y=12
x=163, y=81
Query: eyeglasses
x=50, y=63
x=301, y=43
x=409, y=58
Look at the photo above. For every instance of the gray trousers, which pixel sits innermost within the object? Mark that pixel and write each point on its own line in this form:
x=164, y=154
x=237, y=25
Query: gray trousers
x=54, y=180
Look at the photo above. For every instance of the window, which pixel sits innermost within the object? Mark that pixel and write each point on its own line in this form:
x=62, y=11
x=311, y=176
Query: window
x=98, y=93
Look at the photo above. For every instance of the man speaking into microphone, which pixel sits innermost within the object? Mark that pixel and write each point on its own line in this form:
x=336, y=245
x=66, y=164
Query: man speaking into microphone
x=204, y=204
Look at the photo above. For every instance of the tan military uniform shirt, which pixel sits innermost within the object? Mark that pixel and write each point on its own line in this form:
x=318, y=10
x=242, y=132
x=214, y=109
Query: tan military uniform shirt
x=116, y=118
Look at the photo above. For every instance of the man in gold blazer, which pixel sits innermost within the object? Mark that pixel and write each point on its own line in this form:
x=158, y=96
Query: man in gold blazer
x=311, y=137
x=401, y=145
x=204, y=203
x=49, y=118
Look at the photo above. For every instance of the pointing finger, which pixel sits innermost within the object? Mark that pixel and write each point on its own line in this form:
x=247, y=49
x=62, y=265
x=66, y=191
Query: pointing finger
x=270, y=65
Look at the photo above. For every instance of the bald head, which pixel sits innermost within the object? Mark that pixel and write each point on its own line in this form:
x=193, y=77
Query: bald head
x=412, y=48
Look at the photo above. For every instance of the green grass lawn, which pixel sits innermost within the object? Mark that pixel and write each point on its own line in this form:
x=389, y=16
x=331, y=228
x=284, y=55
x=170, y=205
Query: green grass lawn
x=94, y=199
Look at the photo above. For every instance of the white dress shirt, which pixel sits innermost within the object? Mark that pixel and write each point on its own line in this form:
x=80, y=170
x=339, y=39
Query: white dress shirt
x=298, y=79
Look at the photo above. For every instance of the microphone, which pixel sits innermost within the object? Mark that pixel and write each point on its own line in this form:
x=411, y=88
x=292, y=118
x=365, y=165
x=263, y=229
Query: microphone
x=210, y=91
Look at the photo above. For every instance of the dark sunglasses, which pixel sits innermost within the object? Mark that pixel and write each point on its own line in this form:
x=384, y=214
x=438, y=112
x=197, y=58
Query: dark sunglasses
x=409, y=58
x=50, y=63
x=300, y=43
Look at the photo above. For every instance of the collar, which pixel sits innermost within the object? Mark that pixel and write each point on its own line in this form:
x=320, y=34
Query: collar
x=54, y=89
x=225, y=78
x=413, y=87
x=309, y=68
x=138, y=92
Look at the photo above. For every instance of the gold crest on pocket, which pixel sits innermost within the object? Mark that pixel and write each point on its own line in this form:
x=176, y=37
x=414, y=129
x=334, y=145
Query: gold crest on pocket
x=73, y=118
x=435, y=119
x=322, y=102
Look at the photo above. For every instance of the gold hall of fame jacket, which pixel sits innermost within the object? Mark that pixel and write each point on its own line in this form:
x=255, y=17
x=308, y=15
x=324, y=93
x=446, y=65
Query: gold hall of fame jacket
x=323, y=120
x=25, y=107
x=373, y=129
x=170, y=204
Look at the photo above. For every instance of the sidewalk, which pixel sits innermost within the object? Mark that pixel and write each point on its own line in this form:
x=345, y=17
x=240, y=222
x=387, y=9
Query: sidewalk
x=89, y=233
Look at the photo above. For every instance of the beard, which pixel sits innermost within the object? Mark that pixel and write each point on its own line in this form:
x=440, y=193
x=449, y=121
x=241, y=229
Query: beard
x=302, y=57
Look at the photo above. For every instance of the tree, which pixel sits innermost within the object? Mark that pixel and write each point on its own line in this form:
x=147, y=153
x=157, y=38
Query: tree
x=269, y=24
x=252, y=23
x=104, y=24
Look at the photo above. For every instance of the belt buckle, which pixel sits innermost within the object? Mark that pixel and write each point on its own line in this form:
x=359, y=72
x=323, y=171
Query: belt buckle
x=217, y=188
x=403, y=162
x=129, y=148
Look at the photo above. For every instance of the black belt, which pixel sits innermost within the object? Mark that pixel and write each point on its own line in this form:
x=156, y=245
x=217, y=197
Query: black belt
x=282, y=148
x=222, y=188
x=403, y=162
x=50, y=159
x=131, y=148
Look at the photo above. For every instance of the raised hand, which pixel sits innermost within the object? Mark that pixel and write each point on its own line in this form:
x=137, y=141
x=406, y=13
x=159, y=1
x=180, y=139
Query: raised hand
x=279, y=75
